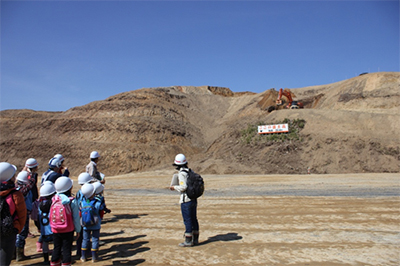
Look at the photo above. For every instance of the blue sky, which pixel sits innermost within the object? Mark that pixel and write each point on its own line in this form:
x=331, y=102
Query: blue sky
x=56, y=55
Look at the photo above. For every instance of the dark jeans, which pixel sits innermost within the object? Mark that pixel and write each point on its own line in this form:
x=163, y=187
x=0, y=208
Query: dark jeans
x=189, y=214
x=7, y=249
x=62, y=245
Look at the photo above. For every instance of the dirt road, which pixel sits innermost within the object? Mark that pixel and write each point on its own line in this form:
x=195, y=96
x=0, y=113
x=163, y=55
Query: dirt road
x=253, y=220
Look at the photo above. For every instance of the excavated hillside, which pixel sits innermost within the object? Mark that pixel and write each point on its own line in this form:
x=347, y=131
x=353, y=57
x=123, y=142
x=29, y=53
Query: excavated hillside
x=346, y=127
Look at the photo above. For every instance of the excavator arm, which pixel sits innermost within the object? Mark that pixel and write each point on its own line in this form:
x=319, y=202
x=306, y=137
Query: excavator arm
x=287, y=95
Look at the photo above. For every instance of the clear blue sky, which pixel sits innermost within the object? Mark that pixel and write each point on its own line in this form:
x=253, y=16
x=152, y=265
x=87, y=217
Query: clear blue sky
x=56, y=55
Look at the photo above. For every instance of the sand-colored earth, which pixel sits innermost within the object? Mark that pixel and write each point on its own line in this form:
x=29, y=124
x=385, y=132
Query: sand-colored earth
x=351, y=219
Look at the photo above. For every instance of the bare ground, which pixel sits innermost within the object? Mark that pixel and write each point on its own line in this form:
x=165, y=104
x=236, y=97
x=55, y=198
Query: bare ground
x=351, y=219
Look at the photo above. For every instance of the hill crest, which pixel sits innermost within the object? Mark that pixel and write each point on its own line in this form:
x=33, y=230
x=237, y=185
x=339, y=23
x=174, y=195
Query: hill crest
x=351, y=126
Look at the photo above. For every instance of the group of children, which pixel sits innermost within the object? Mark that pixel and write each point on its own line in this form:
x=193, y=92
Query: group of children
x=56, y=212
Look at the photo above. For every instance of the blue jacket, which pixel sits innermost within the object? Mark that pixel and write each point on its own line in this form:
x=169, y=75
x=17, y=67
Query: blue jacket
x=45, y=229
x=97, y=207
x=50, y=175
x=75, y=211
x=28, y=200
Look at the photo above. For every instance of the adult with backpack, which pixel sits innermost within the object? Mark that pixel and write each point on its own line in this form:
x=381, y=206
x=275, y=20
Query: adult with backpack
x=191, y=186
x=64, y=220
x=13, y=212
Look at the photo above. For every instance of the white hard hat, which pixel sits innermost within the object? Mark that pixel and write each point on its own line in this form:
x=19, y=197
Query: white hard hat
x=47, y=189
x=180, y=159
x=98, y=187
x=94, y=155
x=31, y=163
x=7, y=171
x=54, y=162
x=59, y=157
x=87, y=190
x=84, y=178
x=23, y=176
x=63, y=184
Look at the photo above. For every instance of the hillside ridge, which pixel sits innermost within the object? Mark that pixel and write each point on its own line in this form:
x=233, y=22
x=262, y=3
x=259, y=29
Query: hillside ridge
x=351, y=126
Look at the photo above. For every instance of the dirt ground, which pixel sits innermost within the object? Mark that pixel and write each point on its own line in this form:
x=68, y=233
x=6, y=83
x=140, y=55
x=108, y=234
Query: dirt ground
x=351, y=219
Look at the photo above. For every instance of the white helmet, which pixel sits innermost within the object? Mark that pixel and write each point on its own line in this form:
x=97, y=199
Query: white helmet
x=98, y=187
x=47, y=189
x=63, y=184
x=55, y=162
x=87, y=190
x=94, y=155
x=7, y=171
x=180, y=159
x=59, y=157
x=31, y=163
x=84, y=178
x=23, y=176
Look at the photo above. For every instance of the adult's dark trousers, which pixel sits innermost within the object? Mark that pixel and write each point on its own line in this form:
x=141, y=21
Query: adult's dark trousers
x=7, y=249
x=189, y=215
x=62, y=246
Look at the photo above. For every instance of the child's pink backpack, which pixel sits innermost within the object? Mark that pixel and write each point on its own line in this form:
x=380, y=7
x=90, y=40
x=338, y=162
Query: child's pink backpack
x=61, y=220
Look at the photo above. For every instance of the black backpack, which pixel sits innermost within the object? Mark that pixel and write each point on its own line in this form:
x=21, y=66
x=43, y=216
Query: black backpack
x=7, y=220
x=195, y=185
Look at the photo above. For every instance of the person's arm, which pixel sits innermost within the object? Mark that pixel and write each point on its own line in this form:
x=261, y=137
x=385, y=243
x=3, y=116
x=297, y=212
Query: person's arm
x=182, y=177
x=20, y=209
x=27, y=187
x=75, y=216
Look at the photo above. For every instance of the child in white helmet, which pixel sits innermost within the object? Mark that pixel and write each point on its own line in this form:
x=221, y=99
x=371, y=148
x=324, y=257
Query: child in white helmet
x=63, y=170
x=24, y=185
x=64, y=236
x=83, y=178
x=99, y=188
x=16, y=204
x=52, y=173
x=91, y=168
x=91, y=227
x=32, y=167
x=47, y=191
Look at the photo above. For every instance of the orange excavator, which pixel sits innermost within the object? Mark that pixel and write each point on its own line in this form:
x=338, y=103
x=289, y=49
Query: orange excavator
x=281, y=102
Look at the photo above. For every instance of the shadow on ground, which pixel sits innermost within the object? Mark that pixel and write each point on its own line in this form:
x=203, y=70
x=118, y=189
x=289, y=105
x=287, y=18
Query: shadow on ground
x=222, y=237
x=123, y=251
x=117, y=217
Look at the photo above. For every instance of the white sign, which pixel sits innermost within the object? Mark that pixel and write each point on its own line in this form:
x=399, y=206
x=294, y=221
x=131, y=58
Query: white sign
x=271, y=129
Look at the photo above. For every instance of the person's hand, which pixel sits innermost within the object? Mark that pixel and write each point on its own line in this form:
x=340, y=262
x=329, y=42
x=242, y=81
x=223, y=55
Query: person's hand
x=77, y=236
x=171, y=188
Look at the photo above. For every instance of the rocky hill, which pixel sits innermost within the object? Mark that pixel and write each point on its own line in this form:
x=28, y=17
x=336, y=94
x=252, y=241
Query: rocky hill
x=350, y=126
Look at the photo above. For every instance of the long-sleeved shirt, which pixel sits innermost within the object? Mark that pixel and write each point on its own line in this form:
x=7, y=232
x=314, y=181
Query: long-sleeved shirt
x=91, y=169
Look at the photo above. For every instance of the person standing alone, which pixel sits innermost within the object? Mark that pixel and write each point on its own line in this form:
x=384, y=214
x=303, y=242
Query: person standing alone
x=188, y=206
x=91, y=168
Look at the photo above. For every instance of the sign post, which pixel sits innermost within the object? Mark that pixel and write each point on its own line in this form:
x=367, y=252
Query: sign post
x=273, y=129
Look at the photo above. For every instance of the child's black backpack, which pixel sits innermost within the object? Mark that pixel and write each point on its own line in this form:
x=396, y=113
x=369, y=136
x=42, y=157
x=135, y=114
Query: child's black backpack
x=7, y=220
x=45, y=204
x=195, y=185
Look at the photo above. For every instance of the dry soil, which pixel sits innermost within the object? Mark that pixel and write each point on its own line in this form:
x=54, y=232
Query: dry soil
x=350, y=219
